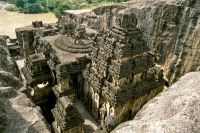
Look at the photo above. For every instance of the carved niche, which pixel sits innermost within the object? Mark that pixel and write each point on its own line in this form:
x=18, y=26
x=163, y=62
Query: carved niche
x=126, y=19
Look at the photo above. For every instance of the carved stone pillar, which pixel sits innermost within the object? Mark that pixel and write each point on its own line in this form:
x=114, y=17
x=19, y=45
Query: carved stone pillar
x=64, y=84
x=26, y=47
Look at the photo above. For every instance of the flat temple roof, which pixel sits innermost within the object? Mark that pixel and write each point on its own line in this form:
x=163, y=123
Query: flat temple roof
x=25, y=28
x=77, y=12
x=63, y=56
x=37, y=57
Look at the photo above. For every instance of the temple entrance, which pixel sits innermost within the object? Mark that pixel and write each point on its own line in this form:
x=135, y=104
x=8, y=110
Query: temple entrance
x=77, y=83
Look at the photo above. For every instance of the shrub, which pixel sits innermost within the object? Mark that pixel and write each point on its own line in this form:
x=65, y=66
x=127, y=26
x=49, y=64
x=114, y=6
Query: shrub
x=20, y=3
x=34, y=8
x=11, y=8
x=31, y=1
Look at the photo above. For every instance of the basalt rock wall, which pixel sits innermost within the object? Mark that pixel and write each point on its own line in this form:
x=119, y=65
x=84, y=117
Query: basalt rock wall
x=171, y=30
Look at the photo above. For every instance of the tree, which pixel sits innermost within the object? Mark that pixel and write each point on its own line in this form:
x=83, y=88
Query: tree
x=34, y=8
x=20, y=3
x=31, y=1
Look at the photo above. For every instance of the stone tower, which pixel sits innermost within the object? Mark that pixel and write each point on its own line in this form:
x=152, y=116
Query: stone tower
x=122, y=76
x=67, y=117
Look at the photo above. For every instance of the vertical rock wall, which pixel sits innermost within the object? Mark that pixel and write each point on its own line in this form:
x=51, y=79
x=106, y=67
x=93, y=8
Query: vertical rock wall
x=171, y=30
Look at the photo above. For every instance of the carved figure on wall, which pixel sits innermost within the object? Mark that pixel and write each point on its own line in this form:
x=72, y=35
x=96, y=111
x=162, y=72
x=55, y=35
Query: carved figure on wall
x=126, y=19
x=69, y=28
x=37, y=24
x=103, y=113
x=111, y=122
x=80, y=33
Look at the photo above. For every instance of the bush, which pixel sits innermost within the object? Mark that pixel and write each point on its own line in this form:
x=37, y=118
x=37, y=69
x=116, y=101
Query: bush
x=57, y=13
x=11, y=8
x=31, y=1
x=20, y=3
x=89, y=1
x=34, y=8
x=66, y=5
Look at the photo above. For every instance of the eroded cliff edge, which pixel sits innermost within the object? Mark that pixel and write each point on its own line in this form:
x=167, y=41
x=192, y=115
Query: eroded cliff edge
x=174, y=110
x=17, y=112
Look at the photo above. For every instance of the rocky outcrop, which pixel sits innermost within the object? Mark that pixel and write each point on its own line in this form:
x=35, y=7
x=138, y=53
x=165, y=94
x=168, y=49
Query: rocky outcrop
x=174, y=110
x=17, y=113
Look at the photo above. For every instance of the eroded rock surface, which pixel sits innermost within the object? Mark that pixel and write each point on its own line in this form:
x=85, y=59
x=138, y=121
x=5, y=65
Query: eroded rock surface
x=17, y=113
x=171, y=29
x=174, y=110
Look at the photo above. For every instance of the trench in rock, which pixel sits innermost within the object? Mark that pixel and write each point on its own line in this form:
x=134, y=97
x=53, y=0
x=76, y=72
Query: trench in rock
x=48, y=103
x=46, y=107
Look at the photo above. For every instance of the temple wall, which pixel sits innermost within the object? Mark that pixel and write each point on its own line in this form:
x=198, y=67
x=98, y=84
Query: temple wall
x=64, y=84
x=86, y=89
x=25, y=38
x=92, y=100
x=123, y=112
x=128, y=110
x=131, y=107
x=77, y=129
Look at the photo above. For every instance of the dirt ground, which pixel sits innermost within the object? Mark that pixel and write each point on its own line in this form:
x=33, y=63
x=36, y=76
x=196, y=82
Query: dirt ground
x=90, y=125
x=11, y=20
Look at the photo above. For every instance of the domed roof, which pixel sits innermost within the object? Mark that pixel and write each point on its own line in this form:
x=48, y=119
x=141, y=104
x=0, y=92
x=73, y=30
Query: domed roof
x=68, y=44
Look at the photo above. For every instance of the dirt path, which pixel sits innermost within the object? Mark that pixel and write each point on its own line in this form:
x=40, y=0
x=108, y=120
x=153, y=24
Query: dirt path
x=90, y=124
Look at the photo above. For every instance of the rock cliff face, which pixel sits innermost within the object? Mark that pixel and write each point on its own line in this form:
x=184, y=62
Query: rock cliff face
x=17, y=113
x=174, y=110
x=171, y=29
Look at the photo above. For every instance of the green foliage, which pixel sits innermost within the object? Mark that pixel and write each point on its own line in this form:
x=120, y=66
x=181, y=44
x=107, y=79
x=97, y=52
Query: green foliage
x=57, y=6
x=34, y=8
x=11, y=8
x=89, y=1
x=31, y=1
x=20, y=3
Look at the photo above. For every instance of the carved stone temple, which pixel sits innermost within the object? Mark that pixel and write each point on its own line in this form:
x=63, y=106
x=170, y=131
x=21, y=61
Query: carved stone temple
x=122, y=75
x=110, y=71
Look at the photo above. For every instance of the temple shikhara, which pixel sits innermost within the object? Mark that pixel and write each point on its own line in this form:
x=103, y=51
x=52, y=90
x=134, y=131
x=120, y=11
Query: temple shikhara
x=74, y=65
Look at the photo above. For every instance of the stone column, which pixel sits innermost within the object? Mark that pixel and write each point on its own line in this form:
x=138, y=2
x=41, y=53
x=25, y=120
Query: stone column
x=64, y=84
x=26, y=47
